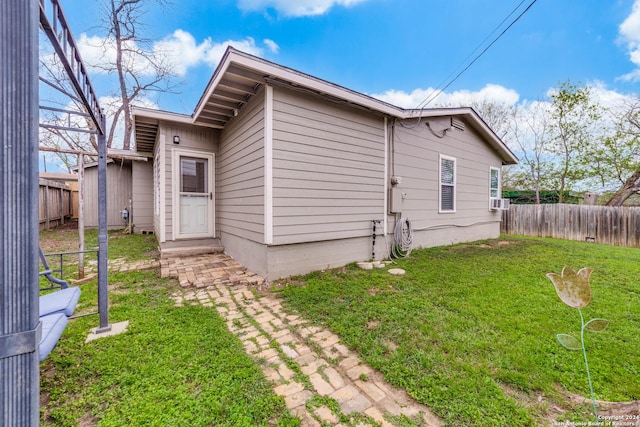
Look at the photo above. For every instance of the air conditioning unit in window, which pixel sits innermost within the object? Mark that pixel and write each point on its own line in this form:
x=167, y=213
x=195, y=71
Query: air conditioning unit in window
x=499, y=204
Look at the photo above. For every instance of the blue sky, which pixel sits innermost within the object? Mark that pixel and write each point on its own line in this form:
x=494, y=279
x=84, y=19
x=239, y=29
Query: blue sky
x=397, y=49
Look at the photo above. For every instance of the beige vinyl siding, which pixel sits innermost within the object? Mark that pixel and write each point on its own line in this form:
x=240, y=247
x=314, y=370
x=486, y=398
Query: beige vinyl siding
x=142, y=194
x=240, y=174
x=191, y=138
x=118, y=193
x=328, y=169
x=416, y=157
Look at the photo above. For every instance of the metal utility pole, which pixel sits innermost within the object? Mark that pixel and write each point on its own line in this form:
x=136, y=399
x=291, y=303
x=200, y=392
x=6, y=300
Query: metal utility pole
x=103, y=284
x=54, y=24
x=19, y=325
x=20, y=329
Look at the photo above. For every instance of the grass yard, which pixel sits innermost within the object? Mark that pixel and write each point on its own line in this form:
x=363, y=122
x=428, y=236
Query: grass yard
x=174, y=366
x=471, y=329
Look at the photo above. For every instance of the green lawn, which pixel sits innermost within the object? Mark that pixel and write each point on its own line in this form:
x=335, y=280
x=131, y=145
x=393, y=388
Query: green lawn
x=174, y=366
x=471, y=329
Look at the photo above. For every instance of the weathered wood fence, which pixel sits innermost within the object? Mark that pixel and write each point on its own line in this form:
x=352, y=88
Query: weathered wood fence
x=55, y=203
x=618, y=226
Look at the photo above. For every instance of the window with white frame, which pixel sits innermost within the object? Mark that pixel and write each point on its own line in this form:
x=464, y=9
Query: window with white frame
x=447, y=191
x=494, y=183
x=156, y=184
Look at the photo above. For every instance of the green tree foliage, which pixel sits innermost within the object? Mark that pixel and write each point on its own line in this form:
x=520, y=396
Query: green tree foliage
x=620, y=154
x=572, y=123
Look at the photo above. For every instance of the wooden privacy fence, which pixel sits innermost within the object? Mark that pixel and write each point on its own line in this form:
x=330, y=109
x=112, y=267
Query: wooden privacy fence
x=55, y=203
x=618, y=226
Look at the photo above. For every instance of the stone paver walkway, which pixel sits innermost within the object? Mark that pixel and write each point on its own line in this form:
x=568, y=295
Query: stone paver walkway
x=321, y=380
x=121, y=265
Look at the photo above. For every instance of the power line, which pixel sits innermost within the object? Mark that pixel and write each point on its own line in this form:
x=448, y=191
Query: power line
x=473, y=51
x=439, y=90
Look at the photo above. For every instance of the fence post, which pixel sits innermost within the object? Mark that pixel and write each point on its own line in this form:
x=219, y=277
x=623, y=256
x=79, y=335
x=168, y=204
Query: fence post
x=61, y=206
x=47, y=225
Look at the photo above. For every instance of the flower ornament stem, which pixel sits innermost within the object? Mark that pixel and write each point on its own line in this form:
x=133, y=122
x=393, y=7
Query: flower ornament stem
x=574, y=290
x=586, y=364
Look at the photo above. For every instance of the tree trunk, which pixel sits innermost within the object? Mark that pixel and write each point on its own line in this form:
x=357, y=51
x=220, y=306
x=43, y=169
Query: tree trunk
x=117, y=31
x=627, y=190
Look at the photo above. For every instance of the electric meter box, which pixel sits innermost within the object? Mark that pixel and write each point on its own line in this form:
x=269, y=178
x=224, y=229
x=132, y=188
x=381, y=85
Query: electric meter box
x=395, y=200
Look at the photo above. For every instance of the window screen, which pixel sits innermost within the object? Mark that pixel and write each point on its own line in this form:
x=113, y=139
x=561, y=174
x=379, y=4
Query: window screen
x=494, y=183
x=447, y=184
x=193, y=175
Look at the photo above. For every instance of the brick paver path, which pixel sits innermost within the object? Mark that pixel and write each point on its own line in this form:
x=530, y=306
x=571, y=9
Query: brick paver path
x=303, y=361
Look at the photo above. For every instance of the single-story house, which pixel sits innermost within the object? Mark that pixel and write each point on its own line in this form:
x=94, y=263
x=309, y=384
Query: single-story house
x=288, y=171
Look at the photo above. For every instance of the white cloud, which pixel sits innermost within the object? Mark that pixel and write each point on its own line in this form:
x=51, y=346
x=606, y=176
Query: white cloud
x=608, y=98
x=491, y=92
x=180, y=51
x=629, y=32
x=216, y=50
x=296, y=8
x=273, y=46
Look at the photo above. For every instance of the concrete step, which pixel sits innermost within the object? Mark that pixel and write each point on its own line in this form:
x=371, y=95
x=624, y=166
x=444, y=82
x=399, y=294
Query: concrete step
x=190, y=251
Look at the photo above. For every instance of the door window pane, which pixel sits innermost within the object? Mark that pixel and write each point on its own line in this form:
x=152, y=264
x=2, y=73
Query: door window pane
x=193, y=175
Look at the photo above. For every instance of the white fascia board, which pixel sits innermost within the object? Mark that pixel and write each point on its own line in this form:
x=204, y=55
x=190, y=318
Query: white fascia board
x=320, y=86
x=213, y=82
x=161, y=115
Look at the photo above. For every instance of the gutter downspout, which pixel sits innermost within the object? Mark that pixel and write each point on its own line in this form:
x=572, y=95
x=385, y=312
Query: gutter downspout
x=386, y=176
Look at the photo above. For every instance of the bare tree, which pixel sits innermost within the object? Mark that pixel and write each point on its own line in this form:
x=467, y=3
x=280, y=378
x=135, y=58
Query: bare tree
x=530, y=134
x=128, y=54
x=495, y=114
x=67, y=112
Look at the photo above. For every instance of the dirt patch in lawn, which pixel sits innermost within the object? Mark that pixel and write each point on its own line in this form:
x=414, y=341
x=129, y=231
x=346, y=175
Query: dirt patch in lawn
x=617, y=411
x=496, y=243
x=61, y=239
x=549, y=411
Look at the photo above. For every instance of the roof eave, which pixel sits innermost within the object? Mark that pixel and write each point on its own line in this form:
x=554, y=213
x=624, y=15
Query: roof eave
x=161, y=115
x=273, y=71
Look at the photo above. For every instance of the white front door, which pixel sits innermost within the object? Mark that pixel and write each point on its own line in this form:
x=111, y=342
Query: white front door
x=195, y=205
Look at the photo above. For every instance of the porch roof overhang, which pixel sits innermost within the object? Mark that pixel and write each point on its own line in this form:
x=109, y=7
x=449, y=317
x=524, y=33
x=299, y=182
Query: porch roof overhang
x=239, y=76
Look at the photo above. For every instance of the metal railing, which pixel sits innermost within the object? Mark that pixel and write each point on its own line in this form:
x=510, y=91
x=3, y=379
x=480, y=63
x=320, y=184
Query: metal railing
x=59, y=272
